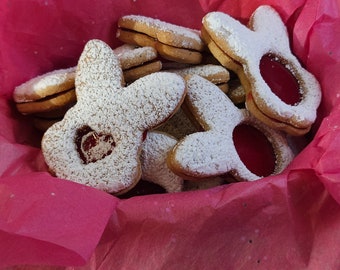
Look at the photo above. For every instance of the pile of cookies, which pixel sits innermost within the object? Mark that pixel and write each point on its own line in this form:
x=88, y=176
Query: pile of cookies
x=180, y=108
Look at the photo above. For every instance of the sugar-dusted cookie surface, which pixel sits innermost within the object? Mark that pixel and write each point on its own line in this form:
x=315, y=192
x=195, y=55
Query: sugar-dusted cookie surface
x=52, y=103
x=217, y=74
x=274, y=80
x=98, y=142
x=173, y=42
x=46, y=93
x=137, y=62
x=45, y=85
x=155, y=149
x=131, y=56
x=219, y=149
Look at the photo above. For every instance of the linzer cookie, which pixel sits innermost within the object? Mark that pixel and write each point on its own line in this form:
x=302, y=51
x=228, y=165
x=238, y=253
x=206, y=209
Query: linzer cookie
x=98, y=142
x=232, y=142
x=46, y=97
x=51, y=103
x=173, y=42
x=279, y=91
x=155, y=149
x=137, y=62
x=45, y=85
x=216, y=74
x=46, y=93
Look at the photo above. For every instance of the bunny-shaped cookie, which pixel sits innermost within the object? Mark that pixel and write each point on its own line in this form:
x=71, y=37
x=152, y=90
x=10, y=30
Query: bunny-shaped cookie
x=213, y=152
x=98, y=143
x=269, y=69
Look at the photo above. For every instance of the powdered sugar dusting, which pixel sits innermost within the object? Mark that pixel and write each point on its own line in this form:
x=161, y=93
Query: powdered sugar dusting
x=130, y=55
x=108, y=108
x=268, y=34
x=154, y=167
x=212, y=152
x=185, y=37
x=214, y=73
x=53, y=78
x=37, y=86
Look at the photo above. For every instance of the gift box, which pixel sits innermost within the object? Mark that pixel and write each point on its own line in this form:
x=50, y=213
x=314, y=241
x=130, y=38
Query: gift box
x=287, y=221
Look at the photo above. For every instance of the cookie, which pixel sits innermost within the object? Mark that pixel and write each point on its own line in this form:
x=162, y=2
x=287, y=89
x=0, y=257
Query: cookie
x=135, y=73
x=51, y=103
x=173, y=42
x=45, y=85
x=52, y=91
x=137, y=62
x=44, y=120
x=98, y=142
x=274, y=80
x=233, y=141
x=221, y=56
x=216, y=74
x=272, y=122
x=155, y=149
x=183, y=123
x=55, y=113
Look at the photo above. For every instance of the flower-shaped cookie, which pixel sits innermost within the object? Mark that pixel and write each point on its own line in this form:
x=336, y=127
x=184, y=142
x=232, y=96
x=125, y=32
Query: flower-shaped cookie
x=227, y=144
x=98, y=143
x=279, y=90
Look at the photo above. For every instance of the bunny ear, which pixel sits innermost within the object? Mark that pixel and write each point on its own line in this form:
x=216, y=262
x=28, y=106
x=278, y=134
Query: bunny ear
x=155, y=98
x=98, y=68
x=233, y=37
x=267, y=22
x=202, y=100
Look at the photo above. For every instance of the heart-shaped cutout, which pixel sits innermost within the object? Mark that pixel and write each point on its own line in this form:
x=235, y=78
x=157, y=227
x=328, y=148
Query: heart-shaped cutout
x=93, y=146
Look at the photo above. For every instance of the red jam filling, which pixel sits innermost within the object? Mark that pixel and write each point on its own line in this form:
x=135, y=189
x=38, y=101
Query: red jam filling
x=280, y=79
x=254, y=150
x=93, y=146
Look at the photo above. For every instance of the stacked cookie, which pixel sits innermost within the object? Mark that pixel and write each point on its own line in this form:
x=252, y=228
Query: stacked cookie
x=47, y=97
x=176, y=107
x=173, y=42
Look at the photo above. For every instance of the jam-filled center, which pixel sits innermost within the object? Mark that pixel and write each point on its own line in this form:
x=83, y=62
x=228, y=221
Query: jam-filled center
x=93, y=146
x=280, y=79
x=254, y=150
